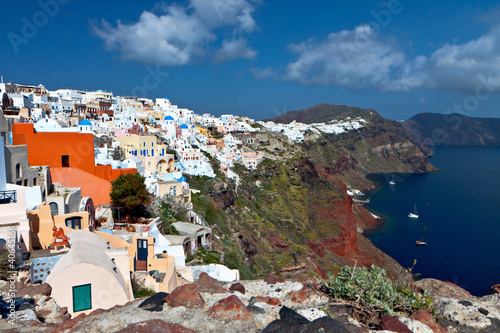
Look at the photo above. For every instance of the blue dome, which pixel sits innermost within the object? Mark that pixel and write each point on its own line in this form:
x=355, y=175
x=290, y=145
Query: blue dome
x=168, y=118
x=184, y=126
x=165, y=97
x=84, y=122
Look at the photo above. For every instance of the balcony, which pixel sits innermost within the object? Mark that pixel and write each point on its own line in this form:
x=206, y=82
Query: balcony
x=7, y=197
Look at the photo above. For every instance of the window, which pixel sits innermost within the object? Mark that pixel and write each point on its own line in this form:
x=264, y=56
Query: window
x=74, y=222
x=18, y=170
x=54, y=208
x=65, y=161
x=82, y=298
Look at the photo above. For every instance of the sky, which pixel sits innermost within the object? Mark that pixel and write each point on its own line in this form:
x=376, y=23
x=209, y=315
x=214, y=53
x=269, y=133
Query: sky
x=261, y=58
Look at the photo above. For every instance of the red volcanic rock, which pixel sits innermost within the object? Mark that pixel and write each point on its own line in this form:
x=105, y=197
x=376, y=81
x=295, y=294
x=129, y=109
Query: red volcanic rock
x=425, y=318
x=392, y=324
x=207, y=284
x=273, y=279
x=346, y=242
x=230, y=308
x=364, y=217
x=278, y=242
x=495, y=289
x=32, y=290
x=155, y=326
x=439, y=289
x=238, y=287
x=340, y=165
x=187, y=295
x=69, y=324
x=302, y=295
x=269, y=300
x=316, y=247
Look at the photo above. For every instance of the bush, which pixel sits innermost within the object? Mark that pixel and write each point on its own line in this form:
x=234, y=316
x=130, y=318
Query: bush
x=233, y=260
x=168, y=216
x=143, y=292
x=207, y=257
x=371, y=286
x=129, y=192
x=4, y=264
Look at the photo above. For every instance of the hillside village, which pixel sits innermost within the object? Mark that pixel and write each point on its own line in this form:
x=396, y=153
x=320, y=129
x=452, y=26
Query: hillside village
x=62, y=149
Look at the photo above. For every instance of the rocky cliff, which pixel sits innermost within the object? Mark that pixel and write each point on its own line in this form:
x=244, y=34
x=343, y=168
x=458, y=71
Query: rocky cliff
x=293, y=216
x=268, y=306
x=454, y=129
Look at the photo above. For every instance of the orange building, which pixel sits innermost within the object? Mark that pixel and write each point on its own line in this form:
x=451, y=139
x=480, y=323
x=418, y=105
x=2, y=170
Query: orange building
x=73, y=152
x=56, y=149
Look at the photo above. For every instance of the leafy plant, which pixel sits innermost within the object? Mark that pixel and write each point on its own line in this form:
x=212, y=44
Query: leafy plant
x=143, y=292
x=4, y=264
x=129, y=192
x=371, y=286
x=207, y=257
x=168, y=216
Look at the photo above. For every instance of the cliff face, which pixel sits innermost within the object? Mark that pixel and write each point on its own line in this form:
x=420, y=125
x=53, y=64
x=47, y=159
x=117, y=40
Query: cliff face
x=454, y=129
x=293, y=215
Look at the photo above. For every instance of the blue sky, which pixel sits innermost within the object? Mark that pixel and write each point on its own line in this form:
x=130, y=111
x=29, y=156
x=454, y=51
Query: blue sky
x=262, y=58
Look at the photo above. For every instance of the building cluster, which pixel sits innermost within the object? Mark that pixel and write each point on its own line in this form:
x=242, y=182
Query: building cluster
x=295, y=131
x=62, y=149
x=60, y=152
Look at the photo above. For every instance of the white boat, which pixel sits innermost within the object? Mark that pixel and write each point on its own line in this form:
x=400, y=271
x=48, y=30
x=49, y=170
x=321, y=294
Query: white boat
x=392, y=182
x=414, y=215
x=420, y=242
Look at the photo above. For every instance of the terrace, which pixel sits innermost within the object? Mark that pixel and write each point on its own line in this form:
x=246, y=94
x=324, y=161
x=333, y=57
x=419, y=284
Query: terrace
x=7, y=197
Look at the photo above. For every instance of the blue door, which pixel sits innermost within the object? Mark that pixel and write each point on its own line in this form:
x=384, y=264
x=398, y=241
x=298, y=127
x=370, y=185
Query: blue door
x=142, y=255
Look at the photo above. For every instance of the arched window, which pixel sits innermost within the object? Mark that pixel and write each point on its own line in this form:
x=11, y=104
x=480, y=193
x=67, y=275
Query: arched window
x=54, y=208
x=18, y=170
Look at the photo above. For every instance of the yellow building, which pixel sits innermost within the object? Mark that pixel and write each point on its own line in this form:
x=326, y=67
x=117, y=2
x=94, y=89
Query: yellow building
x=41, y=223
x=202, y=131
x=144, y=145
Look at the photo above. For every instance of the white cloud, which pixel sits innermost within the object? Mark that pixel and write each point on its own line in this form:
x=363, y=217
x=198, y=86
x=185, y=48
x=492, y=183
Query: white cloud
x=263, y=73
x=359, y=59
x=234, y=49
x=459, y=67
x=354, y=59
x=179, y=35
x=222, y=12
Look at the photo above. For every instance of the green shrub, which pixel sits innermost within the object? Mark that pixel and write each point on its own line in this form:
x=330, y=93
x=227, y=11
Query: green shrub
x=371, y=286
x=143, y=292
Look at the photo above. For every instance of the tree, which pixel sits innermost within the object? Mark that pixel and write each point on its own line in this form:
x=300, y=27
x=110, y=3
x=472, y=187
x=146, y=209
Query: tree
x=129, y=193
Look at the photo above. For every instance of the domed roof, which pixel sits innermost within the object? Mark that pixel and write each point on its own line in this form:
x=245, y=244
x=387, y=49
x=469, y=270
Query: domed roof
x=165, y=97
x=84, y=122
x=46, y=122
x=184, y=126
x=168, y=118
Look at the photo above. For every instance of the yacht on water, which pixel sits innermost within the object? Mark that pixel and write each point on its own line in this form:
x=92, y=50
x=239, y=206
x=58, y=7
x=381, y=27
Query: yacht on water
x=414, y=215
x=419, y=242
x=392, y=182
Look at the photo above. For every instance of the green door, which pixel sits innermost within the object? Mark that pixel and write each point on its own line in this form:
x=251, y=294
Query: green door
x=82, y=298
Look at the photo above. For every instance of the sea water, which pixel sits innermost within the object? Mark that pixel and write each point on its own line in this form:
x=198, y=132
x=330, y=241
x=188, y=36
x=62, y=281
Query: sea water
x=459, y=218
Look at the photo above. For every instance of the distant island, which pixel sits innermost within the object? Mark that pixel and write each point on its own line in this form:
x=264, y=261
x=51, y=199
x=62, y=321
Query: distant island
x=454, y=129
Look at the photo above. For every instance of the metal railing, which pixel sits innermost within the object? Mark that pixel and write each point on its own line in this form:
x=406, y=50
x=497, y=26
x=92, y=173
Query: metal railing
x=8, y=197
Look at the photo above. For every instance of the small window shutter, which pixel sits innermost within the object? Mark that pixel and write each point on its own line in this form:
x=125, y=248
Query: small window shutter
x=82, y=299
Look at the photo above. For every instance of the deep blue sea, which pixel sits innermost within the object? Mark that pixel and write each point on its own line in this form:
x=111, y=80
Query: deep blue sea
x=459, y=218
